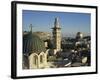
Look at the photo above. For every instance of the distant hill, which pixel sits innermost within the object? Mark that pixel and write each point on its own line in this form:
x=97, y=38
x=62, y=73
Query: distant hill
x=42, y=35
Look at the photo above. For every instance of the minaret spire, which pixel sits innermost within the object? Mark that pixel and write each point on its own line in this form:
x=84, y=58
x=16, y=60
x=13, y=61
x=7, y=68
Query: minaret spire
x=30, y=27
x=56, y=23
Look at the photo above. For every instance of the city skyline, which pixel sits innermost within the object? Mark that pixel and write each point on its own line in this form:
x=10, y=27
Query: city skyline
x=70, y=23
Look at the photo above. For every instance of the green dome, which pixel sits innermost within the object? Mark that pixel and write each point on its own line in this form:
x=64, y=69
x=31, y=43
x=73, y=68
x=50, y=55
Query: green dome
x=32, y=44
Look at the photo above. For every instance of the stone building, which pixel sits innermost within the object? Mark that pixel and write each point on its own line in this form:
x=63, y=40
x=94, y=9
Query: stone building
x=34, y=52
x=56, y=36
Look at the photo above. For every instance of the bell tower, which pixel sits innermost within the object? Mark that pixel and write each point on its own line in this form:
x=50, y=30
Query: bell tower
x=57, y=35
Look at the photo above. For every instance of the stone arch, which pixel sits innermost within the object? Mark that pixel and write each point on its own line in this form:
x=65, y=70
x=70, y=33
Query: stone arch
x=37, y=60
x=41, y=57
x=33, y=61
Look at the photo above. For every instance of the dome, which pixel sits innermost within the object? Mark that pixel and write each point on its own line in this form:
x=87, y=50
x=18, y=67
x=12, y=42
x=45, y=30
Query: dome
x=79, y=35
x=32, y=44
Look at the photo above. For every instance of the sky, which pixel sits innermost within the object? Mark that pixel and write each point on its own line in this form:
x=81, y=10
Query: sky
x=70, y=22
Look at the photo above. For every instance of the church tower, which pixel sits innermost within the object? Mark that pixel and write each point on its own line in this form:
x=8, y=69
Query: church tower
x=57, y=35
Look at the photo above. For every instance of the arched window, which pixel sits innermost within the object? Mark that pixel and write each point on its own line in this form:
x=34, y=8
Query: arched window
x=41, y=58
x=35, y=60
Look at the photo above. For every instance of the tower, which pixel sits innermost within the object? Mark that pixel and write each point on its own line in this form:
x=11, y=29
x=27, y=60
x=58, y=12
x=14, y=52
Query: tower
x=57, y=35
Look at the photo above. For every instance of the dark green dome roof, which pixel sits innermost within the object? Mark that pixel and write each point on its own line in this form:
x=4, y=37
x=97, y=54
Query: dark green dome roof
x=33, y=44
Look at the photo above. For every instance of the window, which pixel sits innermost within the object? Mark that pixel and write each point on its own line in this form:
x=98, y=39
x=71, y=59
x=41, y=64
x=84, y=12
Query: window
x=35, y=60
x=41, y=58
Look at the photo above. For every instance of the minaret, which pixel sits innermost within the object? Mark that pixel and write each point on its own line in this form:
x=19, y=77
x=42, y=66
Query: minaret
x=31, y=28
x=57, y=35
